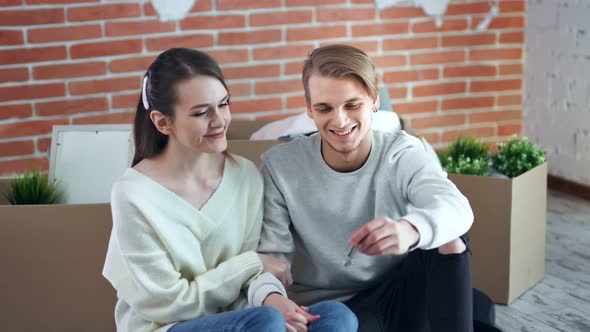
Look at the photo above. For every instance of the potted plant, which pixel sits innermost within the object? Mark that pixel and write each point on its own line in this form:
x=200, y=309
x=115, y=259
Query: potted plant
x=509, y=203
x=33, y=188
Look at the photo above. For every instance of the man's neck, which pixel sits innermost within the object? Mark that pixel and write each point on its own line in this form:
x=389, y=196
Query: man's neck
x=346, y=162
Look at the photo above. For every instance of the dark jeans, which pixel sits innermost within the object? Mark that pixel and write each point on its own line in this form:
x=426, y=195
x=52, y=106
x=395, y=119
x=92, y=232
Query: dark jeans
x=429, y=292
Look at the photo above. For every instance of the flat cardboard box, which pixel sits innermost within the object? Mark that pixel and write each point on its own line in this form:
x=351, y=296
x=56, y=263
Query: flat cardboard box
x=52, y=258
x=243, y=129
x=508, y=234
x=251, y=150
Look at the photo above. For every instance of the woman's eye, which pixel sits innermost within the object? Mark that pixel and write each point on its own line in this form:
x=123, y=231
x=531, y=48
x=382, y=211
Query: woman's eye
x=200, y=114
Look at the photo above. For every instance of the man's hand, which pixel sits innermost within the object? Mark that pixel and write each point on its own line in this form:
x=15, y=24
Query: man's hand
x=297, y=317
x=278, y=267
x=384, y=236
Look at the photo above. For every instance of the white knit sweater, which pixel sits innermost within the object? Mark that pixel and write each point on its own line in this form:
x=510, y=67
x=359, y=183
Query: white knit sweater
x=171, y=262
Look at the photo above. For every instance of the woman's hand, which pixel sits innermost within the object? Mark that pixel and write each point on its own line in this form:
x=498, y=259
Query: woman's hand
x=297, y=317
x=278, y=267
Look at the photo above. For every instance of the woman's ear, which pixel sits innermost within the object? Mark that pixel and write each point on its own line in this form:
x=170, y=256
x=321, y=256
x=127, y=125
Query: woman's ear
x=376, y=104
x=161, y=122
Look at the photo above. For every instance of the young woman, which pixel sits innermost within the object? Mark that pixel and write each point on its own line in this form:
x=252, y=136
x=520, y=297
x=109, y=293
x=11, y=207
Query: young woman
x=187, y=215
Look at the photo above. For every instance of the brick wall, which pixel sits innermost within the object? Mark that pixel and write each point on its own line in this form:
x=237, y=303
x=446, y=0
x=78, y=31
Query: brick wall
x=557, y=106
x=81, y=62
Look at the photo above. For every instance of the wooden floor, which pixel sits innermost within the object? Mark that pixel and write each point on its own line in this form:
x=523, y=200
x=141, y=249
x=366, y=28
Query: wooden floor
x=561, y=302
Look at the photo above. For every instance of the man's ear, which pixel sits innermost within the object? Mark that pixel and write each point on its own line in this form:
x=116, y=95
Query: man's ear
x=309, y=112
x=161, y=122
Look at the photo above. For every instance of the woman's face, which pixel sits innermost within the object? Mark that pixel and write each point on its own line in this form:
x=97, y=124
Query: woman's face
x=202, y=115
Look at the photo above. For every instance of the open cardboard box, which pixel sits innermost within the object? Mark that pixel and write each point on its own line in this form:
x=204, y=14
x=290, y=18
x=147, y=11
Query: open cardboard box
x=52, y=257
x=508, y=234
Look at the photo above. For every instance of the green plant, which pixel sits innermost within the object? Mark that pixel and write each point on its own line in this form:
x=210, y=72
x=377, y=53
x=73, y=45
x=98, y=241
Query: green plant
x=467, y=155
x=33, y=188
x=517, y=156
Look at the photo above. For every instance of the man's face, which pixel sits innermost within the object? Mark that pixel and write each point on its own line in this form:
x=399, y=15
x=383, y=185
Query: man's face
x=341, y=110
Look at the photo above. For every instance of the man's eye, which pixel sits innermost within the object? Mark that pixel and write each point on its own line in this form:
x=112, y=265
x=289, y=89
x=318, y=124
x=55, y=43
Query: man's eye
x=222, y=105
x=353, y=106
x=323, y=110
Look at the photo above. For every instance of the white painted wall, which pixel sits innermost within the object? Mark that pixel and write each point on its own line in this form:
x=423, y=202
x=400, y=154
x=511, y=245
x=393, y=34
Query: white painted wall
x=557, y=88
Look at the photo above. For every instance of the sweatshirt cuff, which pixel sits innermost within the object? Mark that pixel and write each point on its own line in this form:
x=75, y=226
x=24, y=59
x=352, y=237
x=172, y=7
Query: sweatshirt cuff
x=262, y=286
x=424, y=228
x=250, y=264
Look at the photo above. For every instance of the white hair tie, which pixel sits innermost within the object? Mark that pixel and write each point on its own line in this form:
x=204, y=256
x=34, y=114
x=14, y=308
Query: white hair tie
x=144, y=99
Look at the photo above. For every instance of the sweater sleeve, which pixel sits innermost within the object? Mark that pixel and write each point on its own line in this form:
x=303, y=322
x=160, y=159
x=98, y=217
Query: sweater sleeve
x=275, y=238
x=436, y=208
x=154, y=288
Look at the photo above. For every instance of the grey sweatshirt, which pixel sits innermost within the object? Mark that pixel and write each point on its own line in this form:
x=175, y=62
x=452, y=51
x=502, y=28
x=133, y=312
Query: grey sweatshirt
x=310, y=211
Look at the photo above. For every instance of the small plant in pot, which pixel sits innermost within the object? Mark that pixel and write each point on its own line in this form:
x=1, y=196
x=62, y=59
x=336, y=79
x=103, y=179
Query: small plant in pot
x=467, y=155
x=517, y=156
x=33, y=188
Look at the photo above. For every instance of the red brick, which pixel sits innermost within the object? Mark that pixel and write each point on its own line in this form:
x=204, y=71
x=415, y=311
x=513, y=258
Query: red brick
x=132, y=64
x=273, y=117
x=104, y=12
x=495, y=54
x=410, y=43
x=164, y=43
x=439, y=89
x=512, y=38
x=398, y=92
x=241, y=4
x=432, y=138
x=211, y=22
x=252, y=71
x=104, y=85
x=499, y=85
x=282, y=52
x=17, y=148
x=402, y=12
x=410, y=75
x=384, y=61
x=344, y=14
x=509, y=130
x=10, y=3
x=256, y=105
x=379, y=29
x=239, y=89
x=294, y=3
x=95, y=68
x=315, y=33
x=470, y=71
x=54, y=2
x=19, y=111
x=97, y=49
x=138, y=27
x=496, y=116
x=281, y=18
x=469, y=40
x=437, y=121
x=509, y=100
x=247, y=38
x=110, y=118
x=294, y=68
x=229, y=56
x=452, y=135
x=31, y=17
x=72, y=106
x=282, y=86
x=36, y=54
x=126, y=100
x=468, y=8
x=416, y=107
x=296, y=102
x=362, y=1
x=11, y=37
x=467, y=103
x=368, y=46
x=20, y=165
x=36, y=91
x=448, y=25
x=512, y=6
x=437, y=57
x=510, y=22
x=29, y=128
x=43, y=144
x=511, y=69
x=47, y=35
x=14, y=75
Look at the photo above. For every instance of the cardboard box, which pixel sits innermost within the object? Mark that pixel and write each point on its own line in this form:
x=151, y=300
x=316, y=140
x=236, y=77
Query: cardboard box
x=242, y=129
x=251, y=150
x=52, y=258
x=508, y=234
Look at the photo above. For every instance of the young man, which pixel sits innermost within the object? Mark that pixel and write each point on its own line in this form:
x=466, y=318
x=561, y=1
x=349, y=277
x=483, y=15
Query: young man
x=381, y=192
